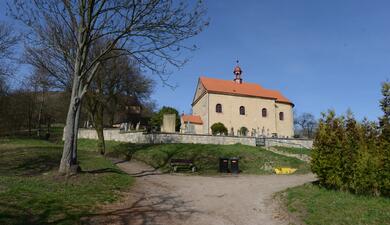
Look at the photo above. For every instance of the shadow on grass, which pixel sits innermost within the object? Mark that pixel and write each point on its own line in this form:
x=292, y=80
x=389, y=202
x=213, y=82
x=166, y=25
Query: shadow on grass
x=30, y=161
x=54, y=136
x=103, y=170
x=155, y=209
x=146, y=173
x=151, y=154
x=125, y=152
x=154, y=171
x=55, y=214
x=35, y=161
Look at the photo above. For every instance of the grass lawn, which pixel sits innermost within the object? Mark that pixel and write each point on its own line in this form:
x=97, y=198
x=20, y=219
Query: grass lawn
x=31, y=192
x=299, y=151
x=253, y=160
x=319, y=206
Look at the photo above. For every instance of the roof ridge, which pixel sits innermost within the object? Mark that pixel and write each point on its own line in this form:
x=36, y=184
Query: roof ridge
x=230, y=80
x=245, y=88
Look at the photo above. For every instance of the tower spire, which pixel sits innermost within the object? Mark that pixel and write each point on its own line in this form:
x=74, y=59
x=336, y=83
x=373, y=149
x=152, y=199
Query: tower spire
x=237, y=73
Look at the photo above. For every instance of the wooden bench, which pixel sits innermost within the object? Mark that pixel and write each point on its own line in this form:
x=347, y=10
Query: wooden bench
x=177, y=164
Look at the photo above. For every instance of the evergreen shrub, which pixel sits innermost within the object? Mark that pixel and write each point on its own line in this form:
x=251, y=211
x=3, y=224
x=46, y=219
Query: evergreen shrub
x=218, y=128
x=354, y=156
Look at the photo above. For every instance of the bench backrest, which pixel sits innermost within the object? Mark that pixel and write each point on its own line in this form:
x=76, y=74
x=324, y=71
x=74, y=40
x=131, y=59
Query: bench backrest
x=184, y=161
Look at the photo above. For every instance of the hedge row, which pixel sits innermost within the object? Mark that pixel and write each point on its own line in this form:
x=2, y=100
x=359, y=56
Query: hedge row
x=354, y=156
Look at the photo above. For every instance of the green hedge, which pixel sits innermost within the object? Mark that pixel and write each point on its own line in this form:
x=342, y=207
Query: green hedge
x=352, y=156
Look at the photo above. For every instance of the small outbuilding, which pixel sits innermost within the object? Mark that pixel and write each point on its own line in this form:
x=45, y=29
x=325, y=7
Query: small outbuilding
x=191, y=124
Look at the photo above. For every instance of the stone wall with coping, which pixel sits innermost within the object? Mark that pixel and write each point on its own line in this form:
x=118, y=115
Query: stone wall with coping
x=139, y=137
x=289, y=142
x=142, y=138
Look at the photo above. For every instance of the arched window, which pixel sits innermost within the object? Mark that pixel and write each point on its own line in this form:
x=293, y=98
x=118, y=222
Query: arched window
x=264, y=112
x=242, y=110
x=218, y=108
x=281, y=116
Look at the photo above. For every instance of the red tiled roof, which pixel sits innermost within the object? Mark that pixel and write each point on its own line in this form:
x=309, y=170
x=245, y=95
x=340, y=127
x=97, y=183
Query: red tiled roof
x=247, y=89
x=192, y=119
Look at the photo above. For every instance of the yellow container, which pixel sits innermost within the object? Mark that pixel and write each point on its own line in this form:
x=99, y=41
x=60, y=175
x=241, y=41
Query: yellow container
x=284, y=170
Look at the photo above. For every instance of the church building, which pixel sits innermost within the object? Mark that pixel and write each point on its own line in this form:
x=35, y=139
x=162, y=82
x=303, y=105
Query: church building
x=246, y=109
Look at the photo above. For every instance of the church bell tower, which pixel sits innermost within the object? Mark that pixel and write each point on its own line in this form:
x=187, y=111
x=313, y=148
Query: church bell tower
x=237, y=74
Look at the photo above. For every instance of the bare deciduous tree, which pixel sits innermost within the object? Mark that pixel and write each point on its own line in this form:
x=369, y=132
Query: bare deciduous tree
x=41, y=83
x=7, y=41
x=307, y=123
x=117, y=79
x=150, y=31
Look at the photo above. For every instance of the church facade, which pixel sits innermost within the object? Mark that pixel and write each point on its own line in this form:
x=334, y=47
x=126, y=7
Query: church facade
x=246, y=109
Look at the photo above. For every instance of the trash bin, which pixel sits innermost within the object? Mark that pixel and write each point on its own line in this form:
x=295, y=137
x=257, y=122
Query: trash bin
x=234, y=165
x=223, y=165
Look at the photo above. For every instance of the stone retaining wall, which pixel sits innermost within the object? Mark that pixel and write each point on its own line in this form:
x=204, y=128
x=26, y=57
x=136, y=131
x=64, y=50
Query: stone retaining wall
x=289, y=142
x=140, y=137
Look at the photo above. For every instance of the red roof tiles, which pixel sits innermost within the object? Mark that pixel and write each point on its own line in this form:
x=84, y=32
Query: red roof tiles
x=192, y=119
x=246, y=89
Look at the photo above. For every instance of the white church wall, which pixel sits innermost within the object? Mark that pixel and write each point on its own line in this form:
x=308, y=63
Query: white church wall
x=252, y=119
x=201, y=109
x=285, y=128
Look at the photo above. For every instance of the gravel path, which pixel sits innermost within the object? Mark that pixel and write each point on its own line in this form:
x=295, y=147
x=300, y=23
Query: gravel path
x=198, y=200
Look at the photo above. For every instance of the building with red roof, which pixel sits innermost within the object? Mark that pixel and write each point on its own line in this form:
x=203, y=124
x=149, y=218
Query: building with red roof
x=240, y=106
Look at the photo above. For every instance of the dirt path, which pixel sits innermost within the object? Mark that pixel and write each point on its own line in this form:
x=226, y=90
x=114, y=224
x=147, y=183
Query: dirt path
x=198, y=200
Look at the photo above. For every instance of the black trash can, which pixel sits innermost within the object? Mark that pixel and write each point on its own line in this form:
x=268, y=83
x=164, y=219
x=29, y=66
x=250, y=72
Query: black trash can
x=223, y=165
x=234, y=165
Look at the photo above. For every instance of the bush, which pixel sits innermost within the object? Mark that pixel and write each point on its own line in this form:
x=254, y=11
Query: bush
x=218, y=128
x=353, y=156
x=347, y=155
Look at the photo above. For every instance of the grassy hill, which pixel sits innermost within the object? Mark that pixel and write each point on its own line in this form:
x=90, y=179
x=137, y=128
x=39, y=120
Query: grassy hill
x=31, y=192
x=253, y=160
x=297, y=151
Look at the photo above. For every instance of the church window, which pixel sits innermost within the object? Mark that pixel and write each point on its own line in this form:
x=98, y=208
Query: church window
x=218, y=108
x=264, y=112
x=242, y=110
x=281, y=116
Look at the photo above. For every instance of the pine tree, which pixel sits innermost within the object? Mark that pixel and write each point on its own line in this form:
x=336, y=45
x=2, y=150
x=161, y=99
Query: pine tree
x=326, y=156
x=385, y=138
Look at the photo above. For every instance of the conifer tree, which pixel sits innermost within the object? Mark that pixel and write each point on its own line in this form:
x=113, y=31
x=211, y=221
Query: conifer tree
x=385, y=138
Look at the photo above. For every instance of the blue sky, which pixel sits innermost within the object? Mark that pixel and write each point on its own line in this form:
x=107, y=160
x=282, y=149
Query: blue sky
x=321, y=54
x=328, y=54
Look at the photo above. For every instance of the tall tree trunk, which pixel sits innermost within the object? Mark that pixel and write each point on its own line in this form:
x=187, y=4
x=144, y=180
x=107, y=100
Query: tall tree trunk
x=76, y=134
x=29, y=124
x=68, y=163
x=101, y=142
x=48, y=127
x=99, y=127
x=40, y=115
